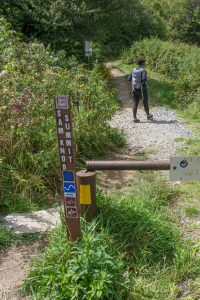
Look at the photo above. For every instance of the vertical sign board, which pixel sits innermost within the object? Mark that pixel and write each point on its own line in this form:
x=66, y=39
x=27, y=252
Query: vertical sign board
x=66, y=153
x=185, y=168
x=88, y=48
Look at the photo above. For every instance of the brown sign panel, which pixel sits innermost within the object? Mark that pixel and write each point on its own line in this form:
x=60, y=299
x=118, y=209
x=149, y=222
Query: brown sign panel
x=67, y=162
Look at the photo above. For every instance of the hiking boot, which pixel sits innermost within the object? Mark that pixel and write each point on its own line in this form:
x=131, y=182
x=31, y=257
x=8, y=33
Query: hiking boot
x=135, y=120
x=150, y=117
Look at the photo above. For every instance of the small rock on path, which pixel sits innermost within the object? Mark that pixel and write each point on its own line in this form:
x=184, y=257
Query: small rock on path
x=38, y=221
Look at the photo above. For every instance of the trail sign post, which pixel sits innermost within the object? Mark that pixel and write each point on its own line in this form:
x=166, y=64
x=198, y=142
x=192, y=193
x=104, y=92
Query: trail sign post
x=88, y=48
x=67, y=162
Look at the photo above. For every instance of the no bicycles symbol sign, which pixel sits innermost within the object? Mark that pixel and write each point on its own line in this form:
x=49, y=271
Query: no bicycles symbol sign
x=67, y=162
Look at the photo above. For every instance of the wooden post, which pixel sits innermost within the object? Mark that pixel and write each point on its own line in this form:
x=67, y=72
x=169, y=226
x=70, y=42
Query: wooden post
x=86, y=182
x=67, y=162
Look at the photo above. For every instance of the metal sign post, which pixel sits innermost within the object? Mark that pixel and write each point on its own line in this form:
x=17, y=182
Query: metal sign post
x=88, y=48
x=67, y=162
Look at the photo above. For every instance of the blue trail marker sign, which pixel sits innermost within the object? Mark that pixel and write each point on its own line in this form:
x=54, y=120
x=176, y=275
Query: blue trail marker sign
x=67, y=162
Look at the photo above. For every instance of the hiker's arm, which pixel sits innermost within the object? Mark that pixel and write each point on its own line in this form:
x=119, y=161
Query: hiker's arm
x=144, y=76
x=130, y=77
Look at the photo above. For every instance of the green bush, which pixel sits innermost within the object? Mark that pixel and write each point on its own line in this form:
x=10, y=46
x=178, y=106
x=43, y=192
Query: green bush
x=131, y=251
x=178, y=61
x=91, y=269
x=31, y=77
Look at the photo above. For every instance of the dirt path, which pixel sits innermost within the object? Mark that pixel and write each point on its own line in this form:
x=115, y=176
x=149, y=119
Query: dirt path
x=122, y=85
x=14, y=266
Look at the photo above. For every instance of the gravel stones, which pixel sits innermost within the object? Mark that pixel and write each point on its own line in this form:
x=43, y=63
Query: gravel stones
x=157, y=138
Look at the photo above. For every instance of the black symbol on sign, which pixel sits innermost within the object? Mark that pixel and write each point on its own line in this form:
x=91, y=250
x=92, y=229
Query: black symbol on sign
x=183, y=164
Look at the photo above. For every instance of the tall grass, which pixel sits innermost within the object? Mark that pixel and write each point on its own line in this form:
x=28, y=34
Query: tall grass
x=8, y=238
x=91, y=269
x=133, y=250
x=31, y=76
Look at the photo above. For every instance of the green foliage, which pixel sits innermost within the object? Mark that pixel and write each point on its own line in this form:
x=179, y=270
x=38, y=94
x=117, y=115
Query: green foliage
x=177, y=61
x=112, y=25
x=139, y=223
x=131, y=251
x=187, y=22
x=65, y=25
x=31, y=77
x=181, y=18
x=191, y=211
x=91, y=269
x=8, y=238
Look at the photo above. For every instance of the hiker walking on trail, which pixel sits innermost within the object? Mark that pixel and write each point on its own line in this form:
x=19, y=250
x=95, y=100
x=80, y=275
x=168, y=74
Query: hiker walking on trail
x=139, y=89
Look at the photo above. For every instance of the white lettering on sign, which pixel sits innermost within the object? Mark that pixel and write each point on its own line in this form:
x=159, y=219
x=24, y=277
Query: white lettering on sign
x=58, y=113
x=68, y=135
x=62, y=150
x=66, y=118
x=68, y=143
x=64, y=167
x=63, y=158
x=70, y=159
x=60, y=130
x=65, y=143
x=60, y=123
x=62, y=143
x=67, y=126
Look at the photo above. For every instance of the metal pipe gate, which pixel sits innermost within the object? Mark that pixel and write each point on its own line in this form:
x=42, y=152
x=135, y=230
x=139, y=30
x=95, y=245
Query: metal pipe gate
x=128, y=165
x=87, y=179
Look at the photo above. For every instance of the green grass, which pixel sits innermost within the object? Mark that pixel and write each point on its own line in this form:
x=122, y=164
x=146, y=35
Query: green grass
x=91, y=269
x=133, y=250
x=23, y=204
x=8, y=238
x=191, y=211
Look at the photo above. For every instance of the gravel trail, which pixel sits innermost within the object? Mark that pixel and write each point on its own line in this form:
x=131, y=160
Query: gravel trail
x=158, y=139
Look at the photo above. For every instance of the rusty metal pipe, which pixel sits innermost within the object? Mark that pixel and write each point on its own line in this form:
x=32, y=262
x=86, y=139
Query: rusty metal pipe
x=128, y=165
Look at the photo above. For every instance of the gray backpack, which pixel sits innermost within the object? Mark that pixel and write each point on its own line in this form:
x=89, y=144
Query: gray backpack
x=137, y=78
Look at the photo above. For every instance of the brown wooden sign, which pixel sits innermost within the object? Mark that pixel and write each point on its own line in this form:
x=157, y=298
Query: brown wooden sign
x=67, y=162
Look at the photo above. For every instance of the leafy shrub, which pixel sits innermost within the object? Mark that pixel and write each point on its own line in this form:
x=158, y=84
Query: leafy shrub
x=178, y=61
x=131, y=251
x=30, y=79
x=91, y=269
